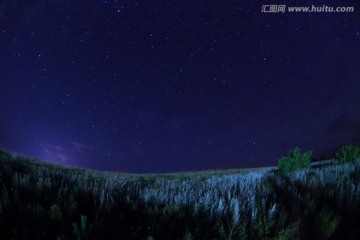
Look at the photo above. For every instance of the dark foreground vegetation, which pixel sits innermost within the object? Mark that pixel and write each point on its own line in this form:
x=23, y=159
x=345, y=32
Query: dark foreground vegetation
x=313, y=201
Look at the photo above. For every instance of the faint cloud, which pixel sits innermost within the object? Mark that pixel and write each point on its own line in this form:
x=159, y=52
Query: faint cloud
x=58, y=147
x=46, y=150
x=55, y=156
x=63, y=158
x=54, y=153
x=51, y=146
x=80, y=147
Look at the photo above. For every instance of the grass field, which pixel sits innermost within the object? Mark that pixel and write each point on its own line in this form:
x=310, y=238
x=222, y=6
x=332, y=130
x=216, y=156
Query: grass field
x=43, y=201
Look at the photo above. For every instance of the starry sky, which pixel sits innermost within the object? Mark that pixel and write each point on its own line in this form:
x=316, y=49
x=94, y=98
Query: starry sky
x=165, y=86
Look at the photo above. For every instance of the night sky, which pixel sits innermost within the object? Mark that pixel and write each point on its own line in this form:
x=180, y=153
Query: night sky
x=165, y=86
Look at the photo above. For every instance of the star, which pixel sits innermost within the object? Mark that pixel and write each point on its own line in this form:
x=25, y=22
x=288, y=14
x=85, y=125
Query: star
x=172, y=84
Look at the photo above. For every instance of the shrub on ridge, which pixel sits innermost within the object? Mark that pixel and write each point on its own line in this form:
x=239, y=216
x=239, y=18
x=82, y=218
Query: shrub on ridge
x=294, y=161
x=348, y=154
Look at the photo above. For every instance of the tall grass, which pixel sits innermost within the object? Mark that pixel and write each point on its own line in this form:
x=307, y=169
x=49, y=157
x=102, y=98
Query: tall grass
x=42, y=201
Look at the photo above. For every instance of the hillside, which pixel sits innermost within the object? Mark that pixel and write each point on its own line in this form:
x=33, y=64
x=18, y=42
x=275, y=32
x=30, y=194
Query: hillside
x=45, y=201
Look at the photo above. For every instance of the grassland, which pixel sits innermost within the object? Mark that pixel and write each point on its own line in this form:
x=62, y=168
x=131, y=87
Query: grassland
x=44, y=201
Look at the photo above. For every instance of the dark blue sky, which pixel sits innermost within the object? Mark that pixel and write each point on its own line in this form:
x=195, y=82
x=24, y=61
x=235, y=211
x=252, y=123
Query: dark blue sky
x=164, y=86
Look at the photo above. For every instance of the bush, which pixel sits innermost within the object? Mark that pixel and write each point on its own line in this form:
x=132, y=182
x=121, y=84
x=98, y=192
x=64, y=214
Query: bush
x=294, y=161
x=55, y=213
x=188, y=236
x=292, y=231
x=81, y=233
x=348, y=154
x=326, y=224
